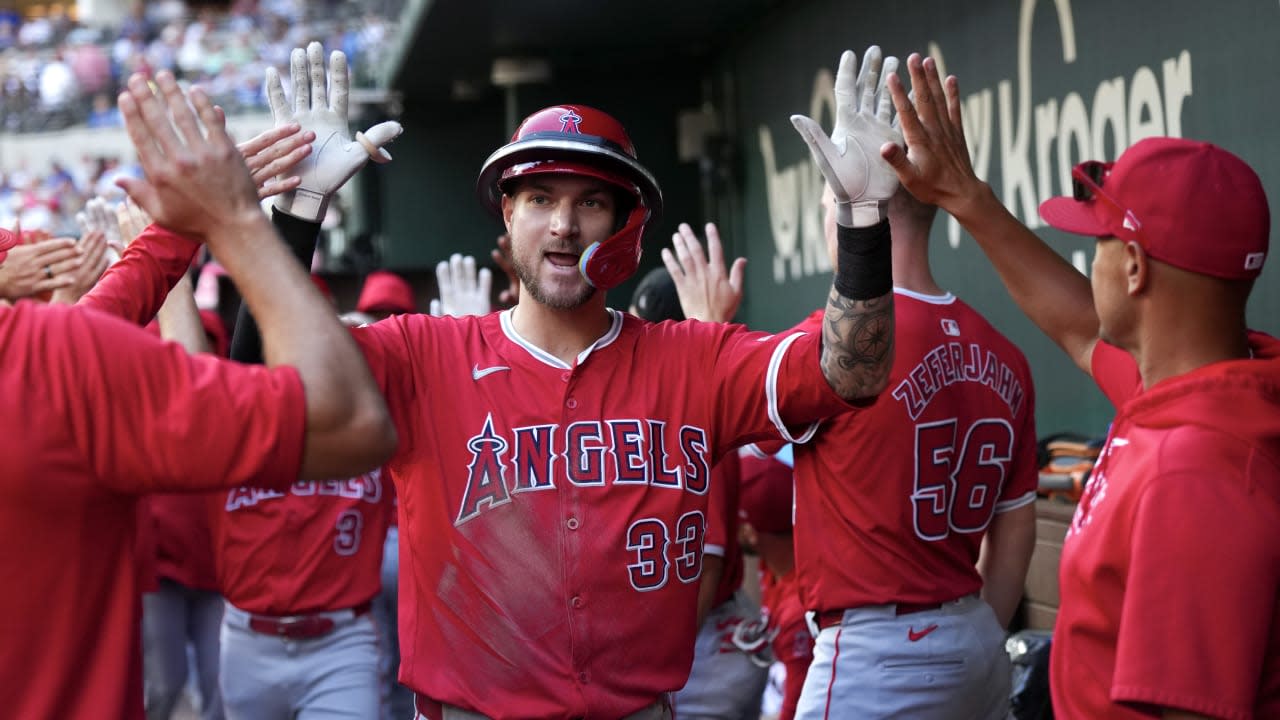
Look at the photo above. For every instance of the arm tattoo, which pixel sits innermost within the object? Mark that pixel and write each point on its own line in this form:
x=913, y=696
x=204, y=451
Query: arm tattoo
x=857, y=345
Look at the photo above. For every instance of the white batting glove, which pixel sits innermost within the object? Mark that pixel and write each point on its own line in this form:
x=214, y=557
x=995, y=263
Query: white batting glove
x=336, y=156
x=463, y=291
x=100, y=215
x=850, y=159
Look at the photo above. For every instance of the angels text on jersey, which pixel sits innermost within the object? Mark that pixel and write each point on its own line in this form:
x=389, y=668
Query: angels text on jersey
x=593, y=453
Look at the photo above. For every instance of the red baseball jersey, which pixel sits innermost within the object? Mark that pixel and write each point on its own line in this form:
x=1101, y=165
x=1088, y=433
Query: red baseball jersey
x=892, y=502
x=1170, y=572
x=553, y=517
x=310, y=547
x=103, y=412
x=722, y=525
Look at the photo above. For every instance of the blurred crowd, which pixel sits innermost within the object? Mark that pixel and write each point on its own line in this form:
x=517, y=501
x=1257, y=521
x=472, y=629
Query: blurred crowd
x=58, y=72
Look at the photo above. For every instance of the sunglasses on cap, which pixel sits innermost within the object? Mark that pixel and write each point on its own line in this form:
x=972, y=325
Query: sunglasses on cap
x=1087, y=180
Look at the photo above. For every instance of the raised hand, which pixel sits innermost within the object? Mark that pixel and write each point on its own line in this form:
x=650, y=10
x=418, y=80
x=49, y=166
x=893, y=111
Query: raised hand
x=99, y=216
x=850, y=159
x=94, y=261
x=273, y=153
x=502, y=258
x=38, y=267
x=322, y=109
x=463, y=291
x=133, y=220
x=936, y=168
x=707, y=291
x=196, y=180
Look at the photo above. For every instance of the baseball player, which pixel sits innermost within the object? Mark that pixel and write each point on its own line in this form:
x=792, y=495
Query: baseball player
x=1170, y=573
x=724, y=682
x=555, y=460
x=914, y=521
x=88, y=387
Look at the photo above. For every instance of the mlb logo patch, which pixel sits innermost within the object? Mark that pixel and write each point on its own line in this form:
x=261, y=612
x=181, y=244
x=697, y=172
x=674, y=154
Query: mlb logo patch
x=950, y=327
x=1253, y=261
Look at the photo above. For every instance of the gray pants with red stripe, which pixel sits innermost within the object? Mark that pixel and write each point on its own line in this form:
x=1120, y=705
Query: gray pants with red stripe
x=331, y=677
x=944, y=663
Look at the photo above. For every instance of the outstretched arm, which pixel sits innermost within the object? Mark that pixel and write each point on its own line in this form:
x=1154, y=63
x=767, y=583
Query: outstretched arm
x=197, y=184
x=857, y=330
x=936, y=169
x=319, y=109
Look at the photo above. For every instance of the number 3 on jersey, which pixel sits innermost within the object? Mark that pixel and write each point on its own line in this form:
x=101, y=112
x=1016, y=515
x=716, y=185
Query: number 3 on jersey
x=958, y=492
x=649, y=540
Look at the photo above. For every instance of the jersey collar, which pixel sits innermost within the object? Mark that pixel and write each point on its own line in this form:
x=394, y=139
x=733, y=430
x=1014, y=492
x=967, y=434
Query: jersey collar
x=615, y=329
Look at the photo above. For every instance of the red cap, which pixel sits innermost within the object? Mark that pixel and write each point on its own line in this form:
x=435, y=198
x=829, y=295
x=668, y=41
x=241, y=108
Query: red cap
x=1190, y=204
x=7, y=240
x=385, y=292
x=766, y=496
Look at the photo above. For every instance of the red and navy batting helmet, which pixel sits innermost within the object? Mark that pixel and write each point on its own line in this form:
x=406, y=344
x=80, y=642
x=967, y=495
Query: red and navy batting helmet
x=579, y=140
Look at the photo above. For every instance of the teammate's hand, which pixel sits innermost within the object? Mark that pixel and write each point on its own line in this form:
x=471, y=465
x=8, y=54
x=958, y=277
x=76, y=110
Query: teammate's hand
x=502, y=258
x=336, y=156
x=99, y=216
x=707, y=291
x=463, y=290
x=195, y=179
x=132, y=219
x=37, y=267
x=936, y=168
x=274, y=153
x=94, y=261
x=850, y=160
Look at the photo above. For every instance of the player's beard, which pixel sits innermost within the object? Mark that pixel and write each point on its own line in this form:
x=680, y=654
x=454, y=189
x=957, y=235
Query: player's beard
x=567, y=299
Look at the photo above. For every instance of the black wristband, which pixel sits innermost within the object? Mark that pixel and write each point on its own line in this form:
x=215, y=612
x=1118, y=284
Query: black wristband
x=301, y=237
x=864, y=261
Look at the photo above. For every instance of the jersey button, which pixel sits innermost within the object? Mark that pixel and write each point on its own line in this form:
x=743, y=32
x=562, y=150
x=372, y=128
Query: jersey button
x=577, y=602
x=571, y=403
x=565, y=377
x=571, y=523
x=583, y=678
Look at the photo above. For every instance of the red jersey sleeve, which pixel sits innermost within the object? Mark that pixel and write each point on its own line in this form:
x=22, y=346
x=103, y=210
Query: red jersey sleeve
x=1205, y=571
x=151, y=418
x=771, y=385
x=1116, y=373
x=136, y=287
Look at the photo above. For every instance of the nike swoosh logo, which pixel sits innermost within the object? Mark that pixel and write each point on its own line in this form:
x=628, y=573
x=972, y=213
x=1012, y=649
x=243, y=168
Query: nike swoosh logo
x=477, y=373
x=914, y=636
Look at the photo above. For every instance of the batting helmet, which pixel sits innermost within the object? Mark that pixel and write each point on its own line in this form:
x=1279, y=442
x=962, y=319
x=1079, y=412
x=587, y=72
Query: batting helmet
x=579, y=140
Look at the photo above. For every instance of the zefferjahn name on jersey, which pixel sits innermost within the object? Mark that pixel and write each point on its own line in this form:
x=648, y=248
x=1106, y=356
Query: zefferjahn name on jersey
x=616, y=452
x=948, y=364
x=367, y=487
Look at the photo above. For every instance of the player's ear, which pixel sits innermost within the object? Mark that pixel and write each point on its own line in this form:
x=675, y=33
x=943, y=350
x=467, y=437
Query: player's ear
x=1137, y=268
x=507, y=206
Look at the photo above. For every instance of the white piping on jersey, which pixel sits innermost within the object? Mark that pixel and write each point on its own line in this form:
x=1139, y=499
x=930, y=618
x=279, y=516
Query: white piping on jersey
x=539, y=354
x=944, y=299
x=1015, y=503
x=710, y=549
x=771, y=392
